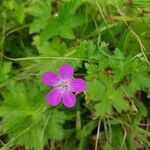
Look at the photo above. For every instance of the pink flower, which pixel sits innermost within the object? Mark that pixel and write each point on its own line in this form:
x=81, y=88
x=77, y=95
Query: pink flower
x=64, y=86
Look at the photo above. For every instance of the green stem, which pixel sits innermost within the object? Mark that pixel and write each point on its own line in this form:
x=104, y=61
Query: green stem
x=51, y=58
x=78, y=124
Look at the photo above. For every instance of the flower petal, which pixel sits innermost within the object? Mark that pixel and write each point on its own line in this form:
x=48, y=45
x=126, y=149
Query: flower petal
x=54, y=97
x=66, y=71
x=78, y=85
x=69, y=99
x=50, y=78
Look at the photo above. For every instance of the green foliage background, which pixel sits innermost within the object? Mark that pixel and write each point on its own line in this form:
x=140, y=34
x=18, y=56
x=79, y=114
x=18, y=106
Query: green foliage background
x=107, y=42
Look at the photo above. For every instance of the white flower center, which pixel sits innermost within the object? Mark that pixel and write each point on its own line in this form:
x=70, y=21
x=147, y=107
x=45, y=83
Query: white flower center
x=63, y=85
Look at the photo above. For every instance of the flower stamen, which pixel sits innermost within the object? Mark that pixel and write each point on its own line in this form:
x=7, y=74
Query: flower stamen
x=63, y=85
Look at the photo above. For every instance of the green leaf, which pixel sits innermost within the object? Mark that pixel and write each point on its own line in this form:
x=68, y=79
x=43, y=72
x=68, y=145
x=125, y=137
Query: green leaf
x=76, y=20
x=103, y=107
x=121, y=67
x=88, y=128
x=104, y=94
x=107, y=146
x=130, y=142
x=41, y=11
x=66, y=32
x=69, y=8
x=29, y=117
x=63, y=24
x=92, y=71
x=142, y=111
x=117, y=137
x=140, y=78
x=51, y=29
x=120, y=104
x=38, y=24
x=54, y=129
x=5, y=69
x=116, y=96
x=85, y=132
x=53, y=48
x=19, y=13
x=95, y=89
